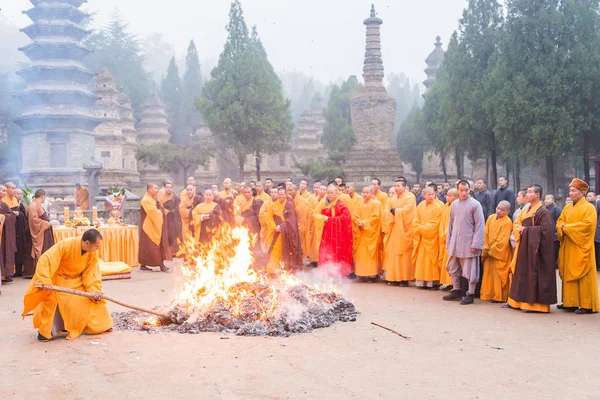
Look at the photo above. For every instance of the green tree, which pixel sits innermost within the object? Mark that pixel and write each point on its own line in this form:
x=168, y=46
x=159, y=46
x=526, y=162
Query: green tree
x=412, y=140
x=338, y=132
x=171, y=93
x=243, y=103
x=192, y=90
x=170, y=157
x=432, y=120
x=119, y=50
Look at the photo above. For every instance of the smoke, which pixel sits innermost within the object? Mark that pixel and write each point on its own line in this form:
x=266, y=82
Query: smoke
x=11, y=108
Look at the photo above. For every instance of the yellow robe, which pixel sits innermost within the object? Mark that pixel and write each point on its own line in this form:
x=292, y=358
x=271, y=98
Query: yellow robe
x=496, y=256
x=263, y=196
x=398, y=240
x=317, y=229
x=383, y=199
x=184, y=212
x=11, y=202
x=154, y=219
x=262, y=218
x=240, y=205
x=443, y=256
x=526, y=212
x=275, y=259
x=303, y=212
x=202, y=208
x=366, y=238
x=353, y=204
x=576, y=259
x=65, y=265
x=427, y=242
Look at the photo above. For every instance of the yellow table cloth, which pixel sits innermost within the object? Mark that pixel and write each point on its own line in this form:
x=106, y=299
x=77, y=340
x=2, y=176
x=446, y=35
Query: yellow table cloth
x=120, y=243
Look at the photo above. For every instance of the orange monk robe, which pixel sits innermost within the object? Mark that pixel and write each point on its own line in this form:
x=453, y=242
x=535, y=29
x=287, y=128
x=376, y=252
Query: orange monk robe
x=276, y=209
x=427, y=243
x=383, y=199
x=81, y=197
x=311, y=253
x=11, y=202
x=262, y=219
x=318, y=224
x=204, y=230
x=344, y=198
x=240, y=204
x=366, y=239
x=64, y=264
x=354, y=202
x=496, y=256
x=576, y=261
x=154, y=219
x=303, y=213
x=398, y=239
x=186, y=205
x=443, y=257
x=263, y=196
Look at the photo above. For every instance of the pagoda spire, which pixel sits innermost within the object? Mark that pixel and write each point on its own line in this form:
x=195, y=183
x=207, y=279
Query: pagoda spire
x=373, y=66
x=433, y=62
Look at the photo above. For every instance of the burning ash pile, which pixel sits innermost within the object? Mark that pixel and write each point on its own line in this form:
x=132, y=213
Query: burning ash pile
x=222, y=293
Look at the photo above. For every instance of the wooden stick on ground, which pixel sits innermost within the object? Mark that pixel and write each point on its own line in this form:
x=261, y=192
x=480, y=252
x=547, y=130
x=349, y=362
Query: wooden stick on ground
x=103, y=296
x=391, y=330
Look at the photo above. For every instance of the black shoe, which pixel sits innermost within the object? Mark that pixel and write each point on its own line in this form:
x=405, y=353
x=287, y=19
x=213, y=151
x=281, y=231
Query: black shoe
x=393, y=283
x=164, y=268
x=352, y=276
x=453, y=296
x=18, y=275
x=42, y=338
x=144, y=268
x=584, y=311
x=569, y=309
x=468, y=299
x=403, y=284
x=495, y=301
x=7, y=280
x=448, y=288
x=435, y=287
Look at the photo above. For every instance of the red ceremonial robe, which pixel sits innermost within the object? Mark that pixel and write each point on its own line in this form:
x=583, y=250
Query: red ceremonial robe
x=336, y=240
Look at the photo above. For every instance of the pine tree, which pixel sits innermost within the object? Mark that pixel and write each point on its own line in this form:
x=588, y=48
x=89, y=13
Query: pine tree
x=192, y=90
x=171, y=92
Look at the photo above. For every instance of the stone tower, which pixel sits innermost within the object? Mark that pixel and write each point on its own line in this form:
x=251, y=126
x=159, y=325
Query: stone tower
x=127, y=122
x=57, y=123
x=310, y=129
x=153, y=128
x=433, y=62
x=109, y=137
x=373, y=117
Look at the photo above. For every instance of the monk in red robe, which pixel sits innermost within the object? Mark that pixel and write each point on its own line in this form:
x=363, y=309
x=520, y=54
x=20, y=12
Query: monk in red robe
x=154, y=237
x=333, y=219
x=170, y=202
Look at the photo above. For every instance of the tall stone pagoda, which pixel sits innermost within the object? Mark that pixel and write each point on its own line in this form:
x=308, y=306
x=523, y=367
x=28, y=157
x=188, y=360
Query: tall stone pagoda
x=109, y=136
x=310, y=129
x=57, y=123
x=153, y=128
x=433, y=62
x=373, y=117
x=127, y=122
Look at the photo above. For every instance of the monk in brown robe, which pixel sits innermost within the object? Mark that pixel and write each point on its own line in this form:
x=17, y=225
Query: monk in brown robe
x=225, y=200
x=533, y=287
x=206, y=217
x=81, y=197
x=188, y=200
x=170, y=202
x=21, y=226
x=283, y=238
x=154, y=237
x=9, y=238
x=42, y=237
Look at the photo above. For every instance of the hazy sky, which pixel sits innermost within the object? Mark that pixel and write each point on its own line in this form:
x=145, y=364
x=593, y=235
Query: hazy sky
x=323, y=38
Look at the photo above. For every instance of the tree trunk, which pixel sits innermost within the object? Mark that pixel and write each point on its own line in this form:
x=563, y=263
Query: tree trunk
x=494, y=160
x=507, y=166
x=518, y=174
x=487, y=171
x=458, y=160
x=551, y=189
x=443, y=165
x=186, y=173
x=257, y=160
x=586, y=157
x=241, y=162
x=418, y=176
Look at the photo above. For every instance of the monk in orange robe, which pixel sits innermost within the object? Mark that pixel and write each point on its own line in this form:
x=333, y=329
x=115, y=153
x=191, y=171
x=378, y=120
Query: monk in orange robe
x=170, y=202
x=576, y=227
x=188, y=200
x=426, y=230
x=261, y=193
x=283, y=239
x=303, y=214
x=399, y=215
x=207, y=218
x=71, y=263
x=496, y=255
x=382, y=198
x=262, y=219
x=81, y=197
x=367, y=219
x=154, y=237
x=445, y=279
x=42, y=237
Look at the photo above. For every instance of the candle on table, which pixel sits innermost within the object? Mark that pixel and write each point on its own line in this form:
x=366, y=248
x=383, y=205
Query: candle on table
x=94, y=214
x=66, y=214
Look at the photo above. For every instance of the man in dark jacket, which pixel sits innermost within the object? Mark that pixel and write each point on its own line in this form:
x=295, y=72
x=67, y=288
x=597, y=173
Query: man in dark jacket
x=484, y=197
x=550, y=203
x=504, y=193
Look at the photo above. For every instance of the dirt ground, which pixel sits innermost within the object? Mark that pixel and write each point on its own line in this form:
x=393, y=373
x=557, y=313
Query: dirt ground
x=462, y=352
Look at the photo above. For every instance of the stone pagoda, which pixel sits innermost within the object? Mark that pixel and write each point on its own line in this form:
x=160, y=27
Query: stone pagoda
x=57, y=123
x=373, y=117
x=433, y=62
x=109, y=136
x=153, y=128
x=310, y=129
x=127, y=122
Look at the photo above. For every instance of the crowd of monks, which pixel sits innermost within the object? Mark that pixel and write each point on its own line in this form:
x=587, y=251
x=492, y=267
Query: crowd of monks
x=463, y=240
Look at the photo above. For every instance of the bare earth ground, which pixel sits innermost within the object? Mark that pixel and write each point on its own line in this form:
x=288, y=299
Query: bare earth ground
x=461, y=352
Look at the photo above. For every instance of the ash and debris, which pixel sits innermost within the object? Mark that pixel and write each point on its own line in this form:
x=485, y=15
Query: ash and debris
x=300, y=309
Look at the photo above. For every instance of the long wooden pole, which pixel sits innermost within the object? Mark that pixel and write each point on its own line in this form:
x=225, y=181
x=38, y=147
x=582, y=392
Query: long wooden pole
x=391, y=330
x=103, y=296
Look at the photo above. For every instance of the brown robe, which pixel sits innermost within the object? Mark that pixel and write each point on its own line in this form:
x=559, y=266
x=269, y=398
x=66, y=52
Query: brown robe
x=198, y=198
x=81, y=197
x=226, y=203
x=251, y=221
x=173, y=221
x=41, y=237
x=208, y=227
x=534, y=280
x=149, y=253
x=291, y=251
x=9, y=241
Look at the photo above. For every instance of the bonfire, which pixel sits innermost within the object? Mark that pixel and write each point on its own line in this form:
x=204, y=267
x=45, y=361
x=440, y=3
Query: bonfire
x=222, y=292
